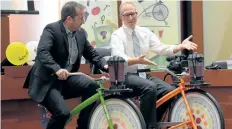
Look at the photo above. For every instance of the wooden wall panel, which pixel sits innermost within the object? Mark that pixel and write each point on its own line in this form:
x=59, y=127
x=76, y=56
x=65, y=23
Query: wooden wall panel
x=25, y=114
x=197, y=25
x=5, y=35
x=119, y=20
x=12, y=88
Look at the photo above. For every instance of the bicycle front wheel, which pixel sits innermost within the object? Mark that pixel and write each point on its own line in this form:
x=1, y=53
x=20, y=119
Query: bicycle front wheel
x=206, y=111
x=124, y=115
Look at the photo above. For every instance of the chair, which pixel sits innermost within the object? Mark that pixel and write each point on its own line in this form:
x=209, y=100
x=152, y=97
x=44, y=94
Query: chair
x=103, y=52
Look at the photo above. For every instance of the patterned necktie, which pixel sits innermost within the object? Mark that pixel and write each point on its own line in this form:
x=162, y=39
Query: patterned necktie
x=136, y=44
x=137, y=52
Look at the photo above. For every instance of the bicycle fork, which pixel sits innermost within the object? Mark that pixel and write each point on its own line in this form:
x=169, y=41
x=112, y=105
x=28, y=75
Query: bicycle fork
x=107, y=114
x=192, y=121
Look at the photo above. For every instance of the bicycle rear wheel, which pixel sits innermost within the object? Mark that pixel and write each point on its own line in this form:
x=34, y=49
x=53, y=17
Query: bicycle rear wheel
x=124, y=114
x=206, y=111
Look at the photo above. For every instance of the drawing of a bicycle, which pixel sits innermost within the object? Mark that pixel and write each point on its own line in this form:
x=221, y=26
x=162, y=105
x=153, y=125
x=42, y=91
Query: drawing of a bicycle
x=159, y=11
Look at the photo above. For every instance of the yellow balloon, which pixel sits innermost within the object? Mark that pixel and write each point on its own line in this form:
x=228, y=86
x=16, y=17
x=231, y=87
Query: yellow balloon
x=17, y=53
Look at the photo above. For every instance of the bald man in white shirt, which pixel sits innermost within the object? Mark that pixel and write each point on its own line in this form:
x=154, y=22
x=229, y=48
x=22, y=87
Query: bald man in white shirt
x=132, y=42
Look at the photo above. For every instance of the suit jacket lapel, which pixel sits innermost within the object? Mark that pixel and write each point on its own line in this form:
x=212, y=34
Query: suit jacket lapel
x=64, y=35
x=66, y=41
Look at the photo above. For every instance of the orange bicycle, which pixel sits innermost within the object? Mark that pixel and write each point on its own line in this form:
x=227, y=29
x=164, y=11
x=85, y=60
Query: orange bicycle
x=192, y=107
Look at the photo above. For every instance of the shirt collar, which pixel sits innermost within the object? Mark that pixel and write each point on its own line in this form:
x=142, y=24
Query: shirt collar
x=129, y=30
x=68, y=31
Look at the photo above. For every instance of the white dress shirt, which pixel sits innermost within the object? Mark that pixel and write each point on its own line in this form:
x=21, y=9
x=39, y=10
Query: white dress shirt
x=122, y=44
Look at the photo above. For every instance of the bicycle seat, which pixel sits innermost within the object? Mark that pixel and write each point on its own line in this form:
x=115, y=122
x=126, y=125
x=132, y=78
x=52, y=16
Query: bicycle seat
x=117, y=89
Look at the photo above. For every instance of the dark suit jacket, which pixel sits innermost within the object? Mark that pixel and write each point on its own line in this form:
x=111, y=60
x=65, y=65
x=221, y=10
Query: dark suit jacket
x=52, y=55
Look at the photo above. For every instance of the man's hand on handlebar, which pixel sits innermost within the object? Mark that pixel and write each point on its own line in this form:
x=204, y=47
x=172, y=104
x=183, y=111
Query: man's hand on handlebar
x=143, y=60
x=106, y=68
x=62, y=74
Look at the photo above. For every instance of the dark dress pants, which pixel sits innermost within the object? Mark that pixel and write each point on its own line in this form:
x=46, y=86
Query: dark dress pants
x=162, y=89
x=149, y=90
x=73, y=87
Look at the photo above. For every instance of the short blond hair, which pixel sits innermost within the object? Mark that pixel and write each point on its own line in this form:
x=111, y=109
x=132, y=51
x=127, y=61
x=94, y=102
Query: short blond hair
x=123, y=4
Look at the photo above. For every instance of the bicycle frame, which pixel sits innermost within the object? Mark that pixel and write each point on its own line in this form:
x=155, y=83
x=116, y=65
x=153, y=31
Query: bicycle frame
x=181, y=89
x=98, y=96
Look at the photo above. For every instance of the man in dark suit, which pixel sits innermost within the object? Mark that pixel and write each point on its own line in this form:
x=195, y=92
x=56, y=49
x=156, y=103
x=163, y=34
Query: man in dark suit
x=59, y=52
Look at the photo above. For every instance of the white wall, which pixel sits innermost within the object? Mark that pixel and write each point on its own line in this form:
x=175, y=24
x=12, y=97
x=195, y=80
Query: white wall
x=25, y=28
x=217, y=30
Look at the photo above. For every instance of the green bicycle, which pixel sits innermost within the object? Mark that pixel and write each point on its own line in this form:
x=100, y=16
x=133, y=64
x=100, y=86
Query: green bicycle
x=113, y=111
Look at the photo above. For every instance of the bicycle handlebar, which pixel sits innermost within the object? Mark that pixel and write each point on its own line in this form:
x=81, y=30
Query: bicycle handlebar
x=165, y=69
x=139, y=70
x=95, y=79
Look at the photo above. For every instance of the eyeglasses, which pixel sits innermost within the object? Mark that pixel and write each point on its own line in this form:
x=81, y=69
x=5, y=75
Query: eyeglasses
x=85, y=16
x=133, y=14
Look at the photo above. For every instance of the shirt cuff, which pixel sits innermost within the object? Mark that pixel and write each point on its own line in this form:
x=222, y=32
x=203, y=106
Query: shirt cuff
x=172, y=50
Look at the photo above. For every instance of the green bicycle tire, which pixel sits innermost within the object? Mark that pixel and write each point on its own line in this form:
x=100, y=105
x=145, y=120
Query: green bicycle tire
x=124, y=114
